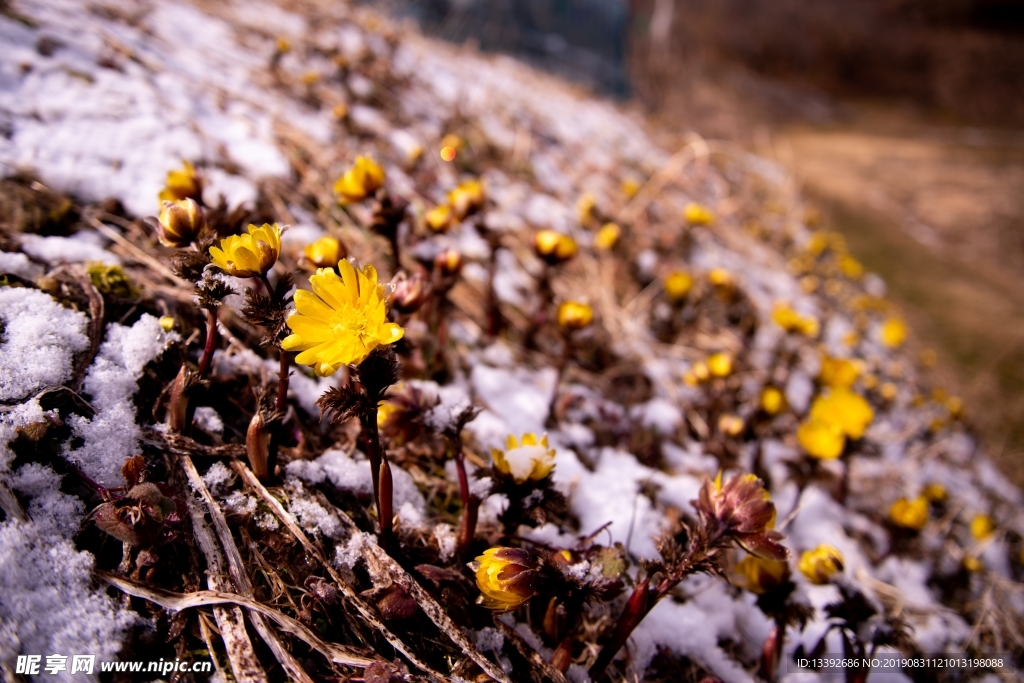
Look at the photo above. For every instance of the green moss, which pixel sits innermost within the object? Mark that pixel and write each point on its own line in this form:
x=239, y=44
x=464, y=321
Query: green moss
x=110, y=280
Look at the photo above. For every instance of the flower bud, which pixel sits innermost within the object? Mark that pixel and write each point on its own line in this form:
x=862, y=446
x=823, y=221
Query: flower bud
x=759, y=575
x=607, y=237
x=325, y=252
x=507, y=577
x=731, y=425
x=466, y=199
x=183, y=183
x=720, y=364
x=695, y=214
x=364, y=178
x=575, y=315
x=554, y=247
x=773, y=401
x=449, y=262
x=982, y=527
x=439, y=219
x=179, y=417
x=910, y=514
x=821, y=564
x=257, y=446
x=180, y=223
x=678, y=286
x=585, y=207
x=410, y=294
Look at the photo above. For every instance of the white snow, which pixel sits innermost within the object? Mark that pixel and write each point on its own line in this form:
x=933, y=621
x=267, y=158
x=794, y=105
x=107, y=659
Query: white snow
x=38, y=343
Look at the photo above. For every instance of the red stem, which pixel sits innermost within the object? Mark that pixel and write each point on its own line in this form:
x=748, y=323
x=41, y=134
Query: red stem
x=211, y=341
x=470, y=506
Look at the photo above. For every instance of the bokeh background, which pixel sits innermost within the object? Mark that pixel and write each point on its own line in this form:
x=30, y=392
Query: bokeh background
x=902, y=119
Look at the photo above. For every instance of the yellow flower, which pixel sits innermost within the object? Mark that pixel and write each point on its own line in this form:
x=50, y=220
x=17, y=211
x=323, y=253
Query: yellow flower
x=180, y=222
x=821, y=564
x=530, y=460
x=821, y=439
x=364, y=178
x=678, y=285
x=696, y=214
x=585, y=206
x=506, y=577
x=845, y=409
x=384, y=413
x=720, y=364
x=731, y=425
x=910, y=514
x=759, y=575
x=982, y=527
x=181, y=184
x=325, y=252
x=607, y=237
x=773, y=401
x=283, y=45
x=554, y=247
x=791, y=321
x=697, y=373
x=934, y=492
x=249, y=255
x=630, y=186
x=467, y=198
x=894, y=332
x=720, y=277
x=341, y=321
x=575, y=315
x=166, y=323
x=839, y=373
x=439, y=219
x=449, y=261
x=851, y=267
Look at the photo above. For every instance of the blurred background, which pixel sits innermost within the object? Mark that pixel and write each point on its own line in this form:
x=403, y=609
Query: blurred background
x=903, y=120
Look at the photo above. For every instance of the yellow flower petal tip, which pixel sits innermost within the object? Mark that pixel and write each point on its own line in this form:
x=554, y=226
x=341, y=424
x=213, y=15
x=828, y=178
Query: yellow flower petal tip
x=341, y=321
